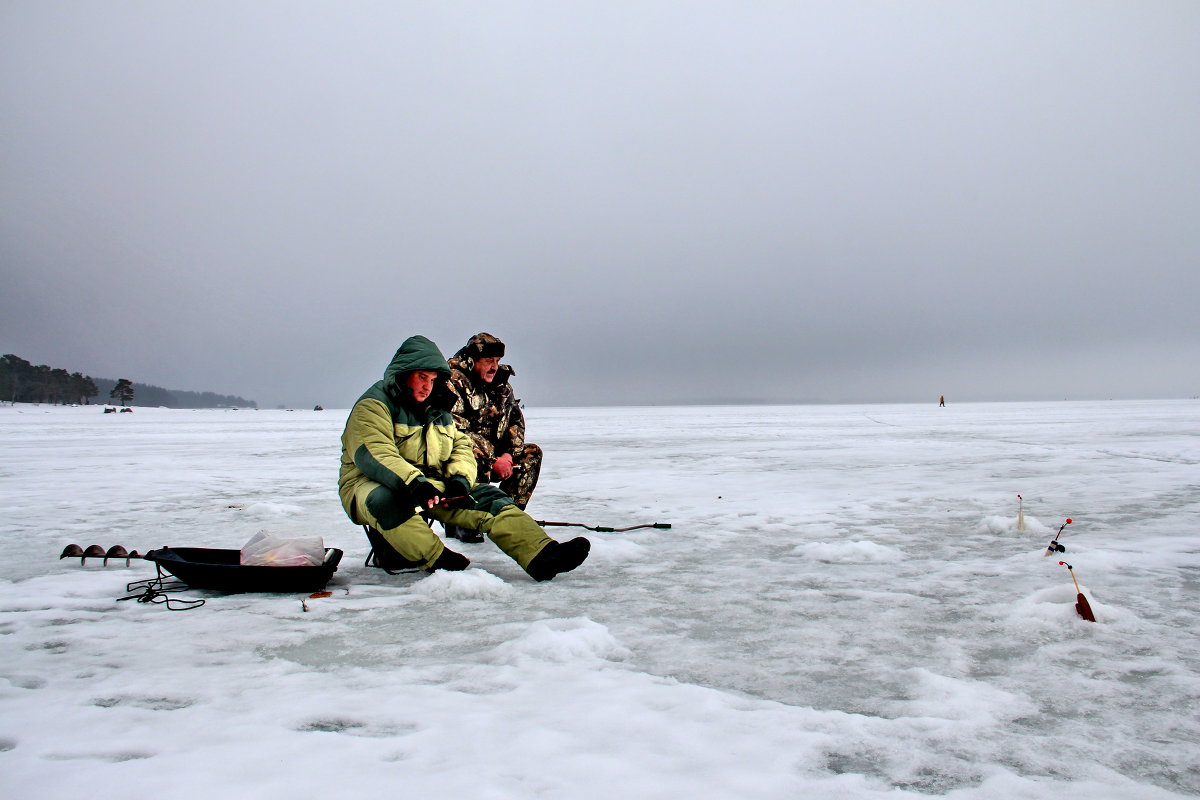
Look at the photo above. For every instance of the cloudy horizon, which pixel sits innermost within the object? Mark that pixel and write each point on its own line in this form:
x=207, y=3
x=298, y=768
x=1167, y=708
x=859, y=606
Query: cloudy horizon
x=651, y=202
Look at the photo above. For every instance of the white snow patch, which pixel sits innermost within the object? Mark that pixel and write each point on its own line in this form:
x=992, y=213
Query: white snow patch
x=469, y=584
x=578, y=639
x=854, y=552
x=1008, y=526
x=941, y=697
x=609, y=549
x=272, y=510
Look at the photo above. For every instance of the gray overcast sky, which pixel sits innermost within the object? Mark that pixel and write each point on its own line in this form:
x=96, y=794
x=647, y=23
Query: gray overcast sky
x=651, y=202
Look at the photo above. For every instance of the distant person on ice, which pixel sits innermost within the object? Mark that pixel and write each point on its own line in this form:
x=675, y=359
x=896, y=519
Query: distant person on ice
x=401, y=450
x=942, y=401
x=487, y=410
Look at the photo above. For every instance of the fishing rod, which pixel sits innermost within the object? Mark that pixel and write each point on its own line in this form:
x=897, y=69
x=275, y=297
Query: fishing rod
x=1082, y=607
x=1054, y=546
x=602, y=528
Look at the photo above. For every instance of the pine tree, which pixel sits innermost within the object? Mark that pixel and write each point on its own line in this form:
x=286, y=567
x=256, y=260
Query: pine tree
x=15, y=374
x=82, y=387
x=123, y=391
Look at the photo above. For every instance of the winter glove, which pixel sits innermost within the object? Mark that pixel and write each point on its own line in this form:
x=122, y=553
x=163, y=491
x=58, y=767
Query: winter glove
x=503, y=466
x=457, y=494
x=424, y=493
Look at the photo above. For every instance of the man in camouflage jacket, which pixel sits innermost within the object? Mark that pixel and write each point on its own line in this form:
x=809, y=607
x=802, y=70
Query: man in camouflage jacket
x=486, y=409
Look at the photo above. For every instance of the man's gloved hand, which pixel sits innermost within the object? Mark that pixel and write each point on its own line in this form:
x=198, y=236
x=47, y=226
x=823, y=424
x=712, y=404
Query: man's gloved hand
x=503, y=466
x=457, y=494
x=424, y=493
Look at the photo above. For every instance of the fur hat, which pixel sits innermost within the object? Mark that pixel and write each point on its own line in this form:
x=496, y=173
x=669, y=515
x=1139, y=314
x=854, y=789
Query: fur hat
x=482, y=345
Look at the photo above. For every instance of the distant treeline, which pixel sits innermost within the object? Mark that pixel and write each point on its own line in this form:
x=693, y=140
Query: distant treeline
x=156, y=396
x=22, y=382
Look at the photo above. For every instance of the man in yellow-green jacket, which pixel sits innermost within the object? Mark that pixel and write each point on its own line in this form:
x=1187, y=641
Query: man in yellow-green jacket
x=401, y=452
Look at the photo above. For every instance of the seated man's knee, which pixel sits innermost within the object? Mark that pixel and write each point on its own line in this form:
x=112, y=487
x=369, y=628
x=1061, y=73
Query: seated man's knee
x=489, y=498
x=389, y=509
x=532, y=453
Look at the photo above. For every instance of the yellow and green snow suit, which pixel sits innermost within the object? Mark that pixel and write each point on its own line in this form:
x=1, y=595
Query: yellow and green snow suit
x=390, y=443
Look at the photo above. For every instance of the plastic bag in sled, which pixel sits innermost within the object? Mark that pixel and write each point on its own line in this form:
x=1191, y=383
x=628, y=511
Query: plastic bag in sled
x=208, y=568
x=269, y=549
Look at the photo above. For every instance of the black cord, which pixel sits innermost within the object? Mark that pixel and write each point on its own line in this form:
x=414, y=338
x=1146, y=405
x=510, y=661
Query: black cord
x=154, y=590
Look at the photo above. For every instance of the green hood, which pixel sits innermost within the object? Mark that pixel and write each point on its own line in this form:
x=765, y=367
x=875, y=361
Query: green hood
x=417, y=352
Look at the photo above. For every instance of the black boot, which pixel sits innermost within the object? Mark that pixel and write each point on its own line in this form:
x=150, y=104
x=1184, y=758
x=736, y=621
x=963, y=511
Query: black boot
x=465, y=535
x=558, y=557
x=450, y=561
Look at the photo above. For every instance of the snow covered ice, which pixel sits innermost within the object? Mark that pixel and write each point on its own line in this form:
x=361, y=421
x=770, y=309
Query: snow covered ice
x=843, y=608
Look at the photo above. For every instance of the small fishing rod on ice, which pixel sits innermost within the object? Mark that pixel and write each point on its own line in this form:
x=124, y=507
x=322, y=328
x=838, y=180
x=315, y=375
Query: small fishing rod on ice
x=1054, y=546
x=1082, y=607
x=662, y=526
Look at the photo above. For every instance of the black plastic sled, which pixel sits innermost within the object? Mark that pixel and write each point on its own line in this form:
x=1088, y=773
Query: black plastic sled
x=207, y=568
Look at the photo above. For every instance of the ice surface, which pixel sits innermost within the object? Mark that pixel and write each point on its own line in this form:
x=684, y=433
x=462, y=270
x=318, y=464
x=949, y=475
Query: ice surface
x=843, y=608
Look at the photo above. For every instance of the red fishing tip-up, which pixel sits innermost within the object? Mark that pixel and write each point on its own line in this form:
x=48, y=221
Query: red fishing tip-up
x=1082, y=607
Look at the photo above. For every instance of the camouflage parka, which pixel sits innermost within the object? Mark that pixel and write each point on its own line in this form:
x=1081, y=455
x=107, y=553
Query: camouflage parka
x=489, y=413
